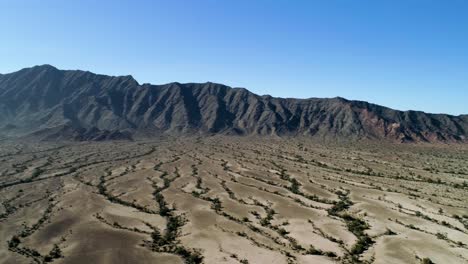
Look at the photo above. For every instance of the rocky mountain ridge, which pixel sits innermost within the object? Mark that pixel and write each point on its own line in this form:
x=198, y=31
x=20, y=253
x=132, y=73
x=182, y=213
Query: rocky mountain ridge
x=48, y=103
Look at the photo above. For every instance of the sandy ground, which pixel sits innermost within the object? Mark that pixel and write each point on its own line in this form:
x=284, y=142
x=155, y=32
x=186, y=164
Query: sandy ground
x=233, y=200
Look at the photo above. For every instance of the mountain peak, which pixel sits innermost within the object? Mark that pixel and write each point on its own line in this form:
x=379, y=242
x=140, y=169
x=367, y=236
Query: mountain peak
x=43, y=67
x=46, y=66
x=341, y=99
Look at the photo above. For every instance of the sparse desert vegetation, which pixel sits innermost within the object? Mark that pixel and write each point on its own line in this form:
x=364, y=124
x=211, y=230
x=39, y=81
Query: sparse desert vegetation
x=233, y=200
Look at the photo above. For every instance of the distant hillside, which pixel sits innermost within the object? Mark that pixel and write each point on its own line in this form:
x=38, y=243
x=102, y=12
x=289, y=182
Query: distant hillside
x=48, y=103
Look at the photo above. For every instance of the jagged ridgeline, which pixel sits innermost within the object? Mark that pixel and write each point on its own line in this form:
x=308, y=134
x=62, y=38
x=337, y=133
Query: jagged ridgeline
x=46, y=103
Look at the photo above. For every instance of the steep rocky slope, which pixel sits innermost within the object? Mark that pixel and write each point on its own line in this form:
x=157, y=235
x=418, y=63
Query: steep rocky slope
x=48, y=103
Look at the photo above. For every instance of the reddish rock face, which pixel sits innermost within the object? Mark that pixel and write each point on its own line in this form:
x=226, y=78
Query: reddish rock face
x=49, y=103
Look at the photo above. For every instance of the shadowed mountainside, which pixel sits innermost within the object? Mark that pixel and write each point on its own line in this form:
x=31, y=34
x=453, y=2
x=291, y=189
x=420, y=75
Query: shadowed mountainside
x=48, y=103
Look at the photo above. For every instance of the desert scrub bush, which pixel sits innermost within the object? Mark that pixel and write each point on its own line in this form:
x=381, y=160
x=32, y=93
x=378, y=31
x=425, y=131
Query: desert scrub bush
x=267, y=220
x=427, y=261
x=282, y=231
x=163, y=209
x=216, y=204
x=172, y=228
x=224, y=165
x=357, y=227
x=36, y=172
x=55, y=253
x=241, y=234
x=189, y=256
x=441, y=236
x=294, y=188
x=362, y=245
x=343, y=204
x=313, y=251
x=294, y=245
x=14, y=242
x=199, y=183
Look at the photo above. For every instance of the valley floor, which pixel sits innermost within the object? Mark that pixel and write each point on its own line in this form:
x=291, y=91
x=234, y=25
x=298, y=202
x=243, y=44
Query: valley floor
x=233, y=200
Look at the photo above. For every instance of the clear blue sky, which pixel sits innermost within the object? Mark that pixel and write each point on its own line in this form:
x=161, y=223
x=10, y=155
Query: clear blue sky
x=408, y=54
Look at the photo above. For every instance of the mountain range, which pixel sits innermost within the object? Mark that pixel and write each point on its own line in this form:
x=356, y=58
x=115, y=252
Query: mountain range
x=46, y=103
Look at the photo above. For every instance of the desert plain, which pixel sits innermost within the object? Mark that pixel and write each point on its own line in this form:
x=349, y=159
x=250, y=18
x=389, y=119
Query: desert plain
x=233, y=200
